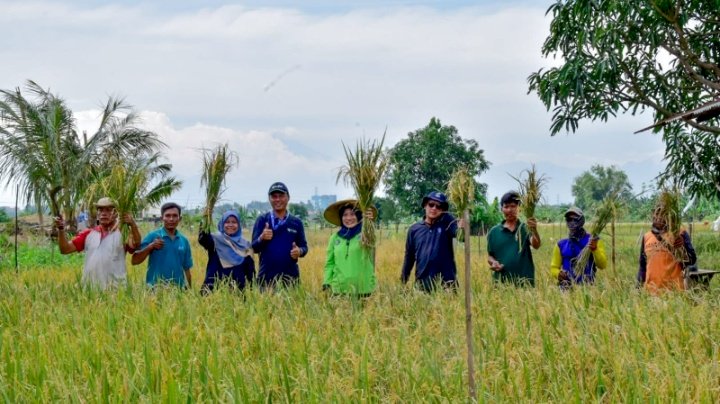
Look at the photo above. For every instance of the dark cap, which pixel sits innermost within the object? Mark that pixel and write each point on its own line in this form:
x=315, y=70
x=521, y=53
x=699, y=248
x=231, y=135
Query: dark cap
x=437, y=197
x=510, y=197
x=574, y=210
x=278, y=187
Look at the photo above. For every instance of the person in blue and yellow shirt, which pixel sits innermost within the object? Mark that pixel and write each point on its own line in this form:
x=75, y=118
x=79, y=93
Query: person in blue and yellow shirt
x=566, y=252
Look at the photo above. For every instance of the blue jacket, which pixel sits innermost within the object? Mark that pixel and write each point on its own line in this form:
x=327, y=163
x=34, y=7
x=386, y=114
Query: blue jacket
x=430, y=249
x=239, y=275
x=275, y=260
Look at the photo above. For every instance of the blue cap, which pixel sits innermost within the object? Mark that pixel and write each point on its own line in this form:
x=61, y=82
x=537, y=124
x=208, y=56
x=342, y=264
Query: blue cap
x=278, y=187
x=437, y=197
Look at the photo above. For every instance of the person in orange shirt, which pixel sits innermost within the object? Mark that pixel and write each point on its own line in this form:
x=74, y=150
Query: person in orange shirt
x=659, y=267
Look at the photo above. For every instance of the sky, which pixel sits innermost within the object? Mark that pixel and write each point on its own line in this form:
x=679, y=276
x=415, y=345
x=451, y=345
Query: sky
x=286, y=83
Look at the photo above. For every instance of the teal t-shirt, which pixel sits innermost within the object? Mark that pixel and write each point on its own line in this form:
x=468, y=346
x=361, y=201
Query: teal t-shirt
x=169, y=263
x=514, y=254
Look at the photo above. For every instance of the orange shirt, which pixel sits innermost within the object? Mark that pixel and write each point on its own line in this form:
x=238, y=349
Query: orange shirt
x=663, y=271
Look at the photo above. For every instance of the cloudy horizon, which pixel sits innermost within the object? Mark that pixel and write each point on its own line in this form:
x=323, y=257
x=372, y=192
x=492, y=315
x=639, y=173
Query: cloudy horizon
x=286, y=84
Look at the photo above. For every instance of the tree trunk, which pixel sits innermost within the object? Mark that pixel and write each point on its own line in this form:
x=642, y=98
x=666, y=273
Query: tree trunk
x=468, y=310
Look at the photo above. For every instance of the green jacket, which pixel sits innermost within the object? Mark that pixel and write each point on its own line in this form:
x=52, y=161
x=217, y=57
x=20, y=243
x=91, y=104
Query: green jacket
x=349, y=268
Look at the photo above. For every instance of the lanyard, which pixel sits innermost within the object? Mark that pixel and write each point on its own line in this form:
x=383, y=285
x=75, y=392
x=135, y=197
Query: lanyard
x=279, y=222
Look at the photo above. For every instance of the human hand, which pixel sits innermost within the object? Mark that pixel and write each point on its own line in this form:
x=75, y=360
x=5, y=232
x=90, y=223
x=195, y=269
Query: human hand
x=563, y=276
x=157, y=244
x=295, y=251
x=532, y=224
x=128, y=219
x=679, y=241
x=496, y=266
x=461, y=223
x=267, y=233
x=593, y=243
x=60, y=223
x=369, y=215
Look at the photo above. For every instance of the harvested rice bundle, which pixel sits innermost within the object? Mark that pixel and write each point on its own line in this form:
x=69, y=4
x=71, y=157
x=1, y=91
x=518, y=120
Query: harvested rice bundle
x=217, y=163
x=603, y=215
x=365, y=168
x=667, y=209
x=530, y=188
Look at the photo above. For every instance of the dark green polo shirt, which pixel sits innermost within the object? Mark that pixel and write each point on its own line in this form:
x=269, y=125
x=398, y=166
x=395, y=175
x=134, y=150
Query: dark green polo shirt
x=504, y=246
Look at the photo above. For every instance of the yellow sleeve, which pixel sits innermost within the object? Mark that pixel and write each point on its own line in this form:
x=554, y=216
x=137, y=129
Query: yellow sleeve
x=556, y=262
x=599, y=255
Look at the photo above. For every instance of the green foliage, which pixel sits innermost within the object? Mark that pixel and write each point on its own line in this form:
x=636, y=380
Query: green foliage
x=299, y=210
x=217, y=163
x=484, y=215
x=424, y=162
x=594, y=185
x=388, y=211
x=4, y=217
x=41, y=150
x=621, y=56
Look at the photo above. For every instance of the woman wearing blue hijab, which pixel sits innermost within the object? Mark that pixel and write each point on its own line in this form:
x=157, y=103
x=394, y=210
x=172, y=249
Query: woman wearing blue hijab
x=229, y=255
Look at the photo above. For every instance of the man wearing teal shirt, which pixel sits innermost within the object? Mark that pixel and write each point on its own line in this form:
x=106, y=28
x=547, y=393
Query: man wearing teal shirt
x=169, y=251
x=509, y=243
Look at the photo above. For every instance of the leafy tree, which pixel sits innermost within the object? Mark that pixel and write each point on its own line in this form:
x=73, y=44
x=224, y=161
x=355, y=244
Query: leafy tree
x=594, y=185
x=621, y=56
x=426, y=159
x=4, y=218
x=387, y=210
x=484, y=215
x=41, y=150
x=299, y=210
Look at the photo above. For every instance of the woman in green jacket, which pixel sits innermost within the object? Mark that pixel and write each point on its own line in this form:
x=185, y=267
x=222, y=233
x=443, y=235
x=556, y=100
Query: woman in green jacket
x=349, y=268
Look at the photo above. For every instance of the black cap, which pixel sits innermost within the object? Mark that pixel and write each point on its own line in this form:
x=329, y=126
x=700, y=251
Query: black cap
x=278, y=187
x=510, y=197
x=437, y=197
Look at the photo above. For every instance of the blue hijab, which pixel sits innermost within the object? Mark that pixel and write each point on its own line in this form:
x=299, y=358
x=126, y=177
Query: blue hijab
x=231, y=248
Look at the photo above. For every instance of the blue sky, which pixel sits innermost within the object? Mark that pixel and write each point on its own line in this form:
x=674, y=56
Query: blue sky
x=285, y=83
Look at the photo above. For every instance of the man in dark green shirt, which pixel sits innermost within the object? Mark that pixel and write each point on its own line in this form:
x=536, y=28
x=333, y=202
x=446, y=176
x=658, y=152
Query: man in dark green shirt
x=509, y=242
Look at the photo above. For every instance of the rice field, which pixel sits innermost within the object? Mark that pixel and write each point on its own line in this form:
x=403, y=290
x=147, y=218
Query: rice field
x=610, y=342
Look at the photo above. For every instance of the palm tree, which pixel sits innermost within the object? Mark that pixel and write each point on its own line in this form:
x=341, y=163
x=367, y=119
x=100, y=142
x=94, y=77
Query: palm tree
x=40, y=148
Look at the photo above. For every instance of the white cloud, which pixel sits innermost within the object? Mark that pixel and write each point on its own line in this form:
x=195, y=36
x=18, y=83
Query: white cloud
x=206, y=71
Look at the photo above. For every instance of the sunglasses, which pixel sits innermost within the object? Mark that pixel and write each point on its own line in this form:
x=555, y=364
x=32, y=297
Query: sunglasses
x=433, y=205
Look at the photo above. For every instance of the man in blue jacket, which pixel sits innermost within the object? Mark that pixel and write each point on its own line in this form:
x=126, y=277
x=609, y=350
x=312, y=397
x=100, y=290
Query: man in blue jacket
x=429, y=246
x=279, y=238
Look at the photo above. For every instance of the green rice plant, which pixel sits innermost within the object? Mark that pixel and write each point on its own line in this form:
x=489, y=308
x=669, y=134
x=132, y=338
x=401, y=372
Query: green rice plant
x=366, y=165
x=603, y=215
x=217, y=163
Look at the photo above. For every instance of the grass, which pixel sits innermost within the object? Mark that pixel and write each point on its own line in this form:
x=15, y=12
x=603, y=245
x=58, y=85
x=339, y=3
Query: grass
x=609, y=342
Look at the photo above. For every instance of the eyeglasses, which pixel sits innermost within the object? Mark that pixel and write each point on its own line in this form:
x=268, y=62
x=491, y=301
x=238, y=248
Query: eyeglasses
x=433, y=205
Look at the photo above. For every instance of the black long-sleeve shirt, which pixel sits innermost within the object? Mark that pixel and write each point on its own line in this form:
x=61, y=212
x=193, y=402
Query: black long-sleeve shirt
x=429, y=249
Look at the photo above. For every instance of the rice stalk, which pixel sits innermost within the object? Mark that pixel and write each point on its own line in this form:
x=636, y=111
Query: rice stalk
x=603, y=215
x=125, y=185
x=530, y=189
x=216, y=165
x=461, y=192
x=365, y=168
x=531, y=186
x=668, y=208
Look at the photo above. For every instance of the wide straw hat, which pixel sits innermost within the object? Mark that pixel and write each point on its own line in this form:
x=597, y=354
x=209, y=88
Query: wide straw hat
x=332, y=212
